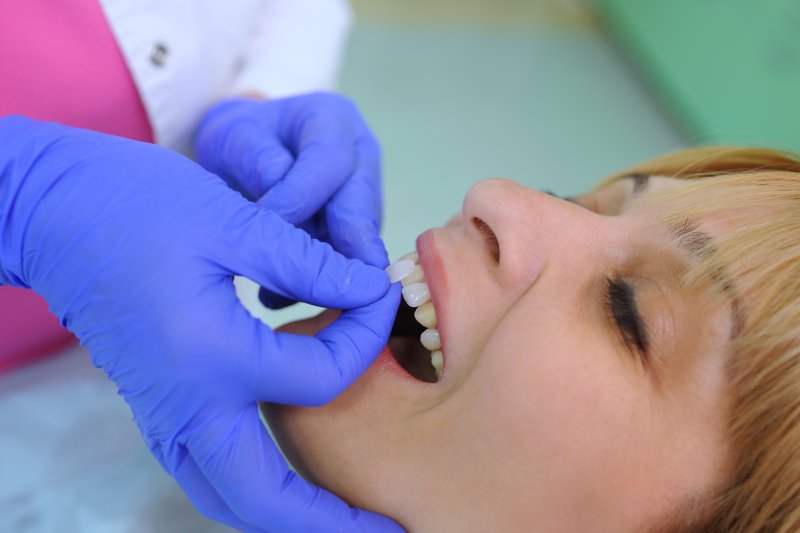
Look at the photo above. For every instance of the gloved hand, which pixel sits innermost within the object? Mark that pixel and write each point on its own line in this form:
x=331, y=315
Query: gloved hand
x=134, y=247
x=309, y=158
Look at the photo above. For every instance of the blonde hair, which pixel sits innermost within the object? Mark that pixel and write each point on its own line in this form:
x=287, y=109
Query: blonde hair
x=758, y=192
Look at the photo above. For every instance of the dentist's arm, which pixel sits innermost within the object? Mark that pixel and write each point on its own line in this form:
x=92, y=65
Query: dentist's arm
x=134, y=247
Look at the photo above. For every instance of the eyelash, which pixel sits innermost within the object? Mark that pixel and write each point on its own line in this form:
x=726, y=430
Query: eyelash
x=620, y=302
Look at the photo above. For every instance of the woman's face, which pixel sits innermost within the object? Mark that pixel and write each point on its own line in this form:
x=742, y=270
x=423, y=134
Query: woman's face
x=582, y=386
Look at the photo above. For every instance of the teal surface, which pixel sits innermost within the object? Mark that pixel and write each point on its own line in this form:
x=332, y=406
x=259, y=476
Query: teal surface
x=550, y=109
x=729, y=70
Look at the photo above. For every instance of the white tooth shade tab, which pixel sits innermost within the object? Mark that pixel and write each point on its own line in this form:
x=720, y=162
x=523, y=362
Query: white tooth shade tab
x=415, y=276
x=437, y=360
x=412, y=256
x=399, y=270
x=426, y=315
x=430, y=339
x=416, y=294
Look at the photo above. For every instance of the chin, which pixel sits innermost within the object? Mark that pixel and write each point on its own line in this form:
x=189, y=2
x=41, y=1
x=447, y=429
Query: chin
x=348, y=445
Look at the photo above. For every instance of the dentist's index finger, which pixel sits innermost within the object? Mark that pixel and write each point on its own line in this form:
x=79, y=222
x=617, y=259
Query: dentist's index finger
x=296, y=369
x=286, y=260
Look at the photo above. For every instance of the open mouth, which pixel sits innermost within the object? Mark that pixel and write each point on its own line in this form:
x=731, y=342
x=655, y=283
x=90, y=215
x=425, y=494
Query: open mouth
x=415, y=342
x=406, y=347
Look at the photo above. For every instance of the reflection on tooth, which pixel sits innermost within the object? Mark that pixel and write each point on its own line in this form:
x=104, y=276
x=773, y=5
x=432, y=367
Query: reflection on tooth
x=437, y=360
x=413, y=257
x=415, y=276
x=416, y=294
x=430, y=339
x=426, y=315
x=399, y=270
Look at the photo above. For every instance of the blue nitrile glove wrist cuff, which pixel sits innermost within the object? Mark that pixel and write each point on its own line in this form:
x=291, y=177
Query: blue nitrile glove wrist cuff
x=15, y=201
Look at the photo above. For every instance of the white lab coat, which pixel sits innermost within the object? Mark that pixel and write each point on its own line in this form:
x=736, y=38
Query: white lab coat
x=185, y=55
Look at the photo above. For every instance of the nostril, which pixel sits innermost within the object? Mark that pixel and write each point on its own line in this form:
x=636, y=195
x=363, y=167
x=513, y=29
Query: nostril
x=488, y=235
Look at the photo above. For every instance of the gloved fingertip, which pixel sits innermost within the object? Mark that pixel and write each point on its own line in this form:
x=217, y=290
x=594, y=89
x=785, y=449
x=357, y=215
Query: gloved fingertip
x=376, y=253
x=376, y=279
x=290, y=210
x=365, y=284
x=372, y=253
x=272, y=164
x=358, y=238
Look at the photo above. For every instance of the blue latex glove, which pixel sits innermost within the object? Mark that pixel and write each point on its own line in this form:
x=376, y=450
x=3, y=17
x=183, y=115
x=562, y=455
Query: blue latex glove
x=309, y=158
x=134, y=247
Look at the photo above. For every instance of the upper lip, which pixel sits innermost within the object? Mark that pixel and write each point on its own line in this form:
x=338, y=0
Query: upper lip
x=436, y=278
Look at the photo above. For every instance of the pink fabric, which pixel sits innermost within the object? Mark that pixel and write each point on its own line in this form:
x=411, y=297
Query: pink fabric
x=59, y=62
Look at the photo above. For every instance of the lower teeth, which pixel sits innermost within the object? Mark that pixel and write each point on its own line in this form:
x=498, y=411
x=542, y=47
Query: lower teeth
x=437, y=361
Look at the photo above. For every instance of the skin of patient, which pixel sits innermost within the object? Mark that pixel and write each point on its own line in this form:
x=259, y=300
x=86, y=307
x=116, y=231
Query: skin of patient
x=548, y=417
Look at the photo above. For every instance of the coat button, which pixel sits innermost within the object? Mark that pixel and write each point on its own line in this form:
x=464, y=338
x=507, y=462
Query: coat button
x=159, y=54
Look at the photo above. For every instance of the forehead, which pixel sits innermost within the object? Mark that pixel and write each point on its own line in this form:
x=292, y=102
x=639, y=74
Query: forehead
x=611, y=199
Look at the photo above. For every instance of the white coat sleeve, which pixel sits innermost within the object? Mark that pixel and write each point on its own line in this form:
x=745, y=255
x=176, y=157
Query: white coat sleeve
x=296, y=47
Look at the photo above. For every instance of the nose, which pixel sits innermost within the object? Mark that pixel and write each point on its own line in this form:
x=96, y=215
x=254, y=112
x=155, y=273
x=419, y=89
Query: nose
x=523, y=231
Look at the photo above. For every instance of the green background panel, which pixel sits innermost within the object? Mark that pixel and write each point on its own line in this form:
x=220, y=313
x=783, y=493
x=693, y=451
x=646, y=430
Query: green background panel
x=728, y=69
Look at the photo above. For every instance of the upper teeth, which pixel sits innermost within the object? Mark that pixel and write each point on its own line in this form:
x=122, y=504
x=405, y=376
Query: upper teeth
x=430, y=339
x=415, y=275
x=426, y=315
x=416, y=293
x=400, y=270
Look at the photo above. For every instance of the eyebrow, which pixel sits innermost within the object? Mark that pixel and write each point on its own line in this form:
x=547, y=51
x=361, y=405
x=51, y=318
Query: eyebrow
x=698, y=244
x=690, y=239
x=684, y=233
x=640, y=181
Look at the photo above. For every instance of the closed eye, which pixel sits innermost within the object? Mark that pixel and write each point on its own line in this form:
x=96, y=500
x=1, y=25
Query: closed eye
x=565, y=198
x=620, y=301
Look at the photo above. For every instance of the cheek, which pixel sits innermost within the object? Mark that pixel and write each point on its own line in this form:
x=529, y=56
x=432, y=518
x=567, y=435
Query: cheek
x=557, y=412
x=548, y=391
